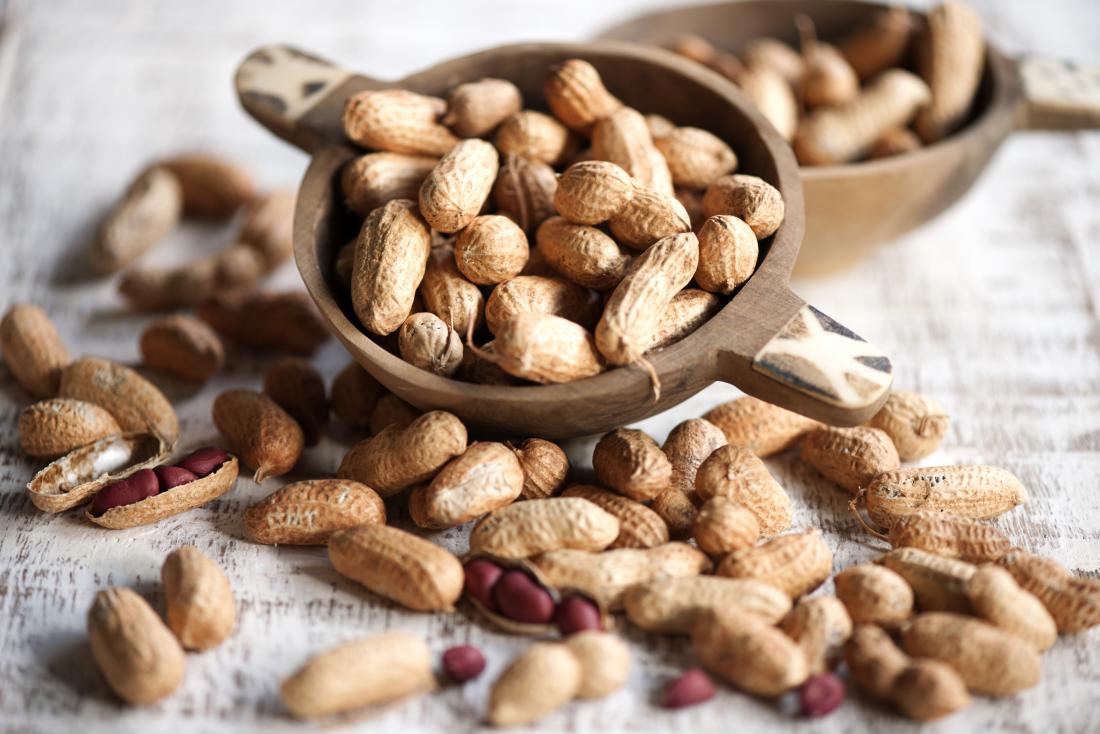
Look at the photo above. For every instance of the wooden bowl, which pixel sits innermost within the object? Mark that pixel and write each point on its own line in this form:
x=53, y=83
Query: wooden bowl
x=766, y=340
x=851, y=208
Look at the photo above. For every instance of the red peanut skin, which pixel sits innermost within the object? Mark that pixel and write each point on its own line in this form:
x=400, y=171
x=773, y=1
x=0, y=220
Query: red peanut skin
x=481, y=577
x=821, y=694
x=134, y=488
x=519, y=598
x=173, y=476
x=463, y=663
x=577, y=614
x=204, y=461
x=691, y=688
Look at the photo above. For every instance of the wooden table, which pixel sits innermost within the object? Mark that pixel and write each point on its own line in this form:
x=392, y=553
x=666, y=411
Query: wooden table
x=993, y=309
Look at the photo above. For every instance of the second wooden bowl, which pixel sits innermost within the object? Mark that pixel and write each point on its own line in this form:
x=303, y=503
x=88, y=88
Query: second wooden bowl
x=766, y=340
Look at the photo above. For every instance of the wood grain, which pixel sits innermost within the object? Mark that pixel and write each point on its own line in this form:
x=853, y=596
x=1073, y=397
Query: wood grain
x=993, y=309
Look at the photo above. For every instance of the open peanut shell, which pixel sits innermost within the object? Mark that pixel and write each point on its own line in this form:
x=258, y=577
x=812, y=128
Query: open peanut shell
x=171, y=501
x=558, y=595
x=78, y=475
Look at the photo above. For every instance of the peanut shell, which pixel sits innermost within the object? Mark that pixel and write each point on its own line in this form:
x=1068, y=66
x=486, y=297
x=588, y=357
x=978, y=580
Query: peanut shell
x=851, y=457
x=631, y=463
x=527, y=529
x=33, y=350
x=372, y=180
x=298, y=388
x=760, y=427
x=309, y=512
x=391, y=255
x=264, y=435
x=796, y=563
x=148, y=210
x=135, y=403
x=639, y=526
x=591, y=192
x=198, y=600
x=398, y=121
x=486, y=477
x=749, y=653
x=52, y=428
x=673, y=606
x=545, y=468
x=456, y=189
x=183, y=346
x=739, y=475
x=977, y=492
x=915, y=423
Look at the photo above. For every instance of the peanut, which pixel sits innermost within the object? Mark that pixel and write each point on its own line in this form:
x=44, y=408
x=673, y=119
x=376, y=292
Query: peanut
x=198, y=600
x=476, y=108
x=751, y=199
x=723, y=526
x=264, y=435
x=1073, y=602
x=777, y=55
x=673, y=606
x=540, y=295
x=749, y=653
x=182, y=346
x=486, y=477
x=772, y=95
x=880, y=43
x=82, y=472
x=354, y=395
x=583, y=254
x=279, y=321
x=796, y=563
x=648, y=217
x=631, y=463
x=687, y=311
x=447, y=293
x=33, y=349
x=456, y=189
x=605, y=577
x=939, y=584
x=298, y=388
x=391, y=410
x=977, y=492
x=546, y=349
x=605, y=662
x=54, y=427
x=399, y=457
x=524, y=190
x=639, y=526
x=676, y=509
x=688, y=445
x=896, y=141
x=463, y=663
x=398, y=121
x=696, y=158
x=693, y=687
x=851, y=457
x=833, y=135
x=819, y=626
x=760, y=427
x=990, y=661
x=728, y=251
x=374, y=179
x=949, y=536
x=391, y=255
x=398, y=565
x=426, y=342
x=827, y=78
x=633, y=311
x=950, y=57
x=545, y=468
x=576, y=95
x=148, y=210
x=591, y=192
x=915, y=423
x=376, y=670
x=134, y=402
x=996, y=597
x=536, y=136
x=309, y=512
x=544, y=677
x=527, y=529
x=521, y=599
x=623, y=139
x=212, y=187
x=136, y=653
x=739, y=475
x=874, y=595
x=268, y=227
x=491, y=250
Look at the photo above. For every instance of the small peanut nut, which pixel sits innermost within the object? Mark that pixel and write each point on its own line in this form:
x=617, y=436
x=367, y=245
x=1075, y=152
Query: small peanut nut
x=517, y=597
x=693, y=687
x=577, y=614
x=463, y=663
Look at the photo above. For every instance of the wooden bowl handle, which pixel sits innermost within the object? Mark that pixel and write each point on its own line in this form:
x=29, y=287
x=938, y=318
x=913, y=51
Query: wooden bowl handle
x=1061, y=95
x=814, y=366
x=297, y=95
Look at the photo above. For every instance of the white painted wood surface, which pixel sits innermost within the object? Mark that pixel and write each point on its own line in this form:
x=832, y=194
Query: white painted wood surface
x=993, y=309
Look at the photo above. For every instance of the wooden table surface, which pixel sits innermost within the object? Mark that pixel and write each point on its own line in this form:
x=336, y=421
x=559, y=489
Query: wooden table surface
x=993, y=309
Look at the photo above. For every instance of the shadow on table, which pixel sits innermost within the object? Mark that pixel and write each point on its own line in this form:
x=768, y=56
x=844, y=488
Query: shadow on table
x=71, y=663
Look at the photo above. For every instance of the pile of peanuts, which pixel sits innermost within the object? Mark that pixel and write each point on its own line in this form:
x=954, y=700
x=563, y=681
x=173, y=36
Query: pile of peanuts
x=858, y=99
x=693, y=538
x=509, y=273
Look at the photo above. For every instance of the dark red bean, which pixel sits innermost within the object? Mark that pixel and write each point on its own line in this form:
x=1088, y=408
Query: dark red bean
x=693, y=687
x=481, y=576
x=821, y=694
x=204, y=461
x=173, y=476
x=463, y=663
x=518, y=597
x=577, y=614
x=134, y=488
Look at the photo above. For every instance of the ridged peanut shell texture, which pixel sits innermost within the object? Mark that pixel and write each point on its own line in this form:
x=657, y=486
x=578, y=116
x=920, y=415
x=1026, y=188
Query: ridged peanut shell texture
x=456, y=189
x=261, y=433
x=577, y=96
x=649, y=217
x=524, y=190
x=728, y=252
x=370, y=181
x=851, y=457
x=446, y=293
x=639, y=526
x=688, y=445
x=583, y=254
x=623, y=138
x=476, y=108
x=183, y=346
x=310, y=511
x=543, y=295
x=796, y=563
x=391, y=255
x=915, y=423
x=135, y=403
x=999, y=600
x=545, y=676
x=398, y=121
x=545, y=468
x=198, y=599
x=760, y=427
x=491, y=249
x=973, y=491
x=534, y=135
x=426, y=342
x=749, y=653
x=750, y=199
x=739, y=475
x=52, y=428
x=630, y=462
x=545, y=349
x=938, y=584
x=696, y=157
x=526, y=529
x=723, y=526
x=136, y=653
x=485, y=477
x=398, y=565
x=687, y=311
x=32, y=349
x=367, y=672
x=949, y=536
x=874, y=595
x=591, y=192
x=1073, y=602
x=634, y=310
x=820, y=626
x=673, y=606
